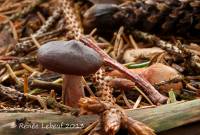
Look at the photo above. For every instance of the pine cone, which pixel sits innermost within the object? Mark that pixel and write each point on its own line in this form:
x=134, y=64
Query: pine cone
x=165, y=17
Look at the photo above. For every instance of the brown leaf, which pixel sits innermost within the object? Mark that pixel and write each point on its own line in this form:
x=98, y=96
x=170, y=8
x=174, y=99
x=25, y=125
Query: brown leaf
x=155, y=74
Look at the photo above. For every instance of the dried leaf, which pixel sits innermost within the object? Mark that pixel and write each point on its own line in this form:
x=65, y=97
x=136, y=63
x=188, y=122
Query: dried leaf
x=155, y=74
x=134, y=54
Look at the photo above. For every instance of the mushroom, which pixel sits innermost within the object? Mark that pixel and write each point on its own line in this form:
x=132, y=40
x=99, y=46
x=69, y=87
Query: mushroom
x=101, y=16
x=73, y=59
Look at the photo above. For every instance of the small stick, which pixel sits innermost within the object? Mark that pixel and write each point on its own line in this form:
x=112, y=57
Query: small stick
x=6, y=75
x=189, y=86
x=25, y=83
x=126, y=100
x=121, y=44
x=59, y=80
x=87, y=87
x=28, y=68
x=103, y=45
x=34, y=73
x=12, y=74
x=118, y=40
x=14, y=31
x=103, y=40
x=46, y=85
x=93, y=32
x=137, y=102
x=143, y=94
x=133, y=43
x=35, y=41
x=42, y=18
x=109, y=49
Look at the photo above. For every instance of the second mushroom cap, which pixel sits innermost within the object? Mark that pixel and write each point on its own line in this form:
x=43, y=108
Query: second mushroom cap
x=69, y=57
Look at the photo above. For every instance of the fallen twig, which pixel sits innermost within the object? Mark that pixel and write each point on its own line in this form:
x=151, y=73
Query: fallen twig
x=153, y=94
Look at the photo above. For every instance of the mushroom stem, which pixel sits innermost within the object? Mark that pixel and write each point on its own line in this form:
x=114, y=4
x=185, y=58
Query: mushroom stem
x=72, y=90
x=153, y=94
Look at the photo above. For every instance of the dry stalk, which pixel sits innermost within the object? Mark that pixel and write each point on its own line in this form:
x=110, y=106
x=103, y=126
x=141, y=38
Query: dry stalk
x=12, y=74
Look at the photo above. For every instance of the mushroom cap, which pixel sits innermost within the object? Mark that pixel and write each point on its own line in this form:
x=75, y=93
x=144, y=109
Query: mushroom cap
x=101, y=16
x=69, y=57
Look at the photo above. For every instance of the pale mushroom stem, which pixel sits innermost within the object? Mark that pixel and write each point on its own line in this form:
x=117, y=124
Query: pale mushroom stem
x=72, y=90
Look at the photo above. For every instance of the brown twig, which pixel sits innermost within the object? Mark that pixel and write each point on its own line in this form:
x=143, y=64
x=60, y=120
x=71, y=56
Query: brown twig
x=25, y=84
x=143, y=94
x=12, y=74
x=87, y=87
x=46, y=85
x=126, y=100
x=137, y=102
x=153, y=94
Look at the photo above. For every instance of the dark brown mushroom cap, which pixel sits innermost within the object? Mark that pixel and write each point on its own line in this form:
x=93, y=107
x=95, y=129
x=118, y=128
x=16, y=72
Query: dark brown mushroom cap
x=69, y=57
x=101, y=16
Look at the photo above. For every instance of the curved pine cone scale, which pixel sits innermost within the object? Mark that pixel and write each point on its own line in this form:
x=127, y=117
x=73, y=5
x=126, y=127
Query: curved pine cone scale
x=171, y=17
